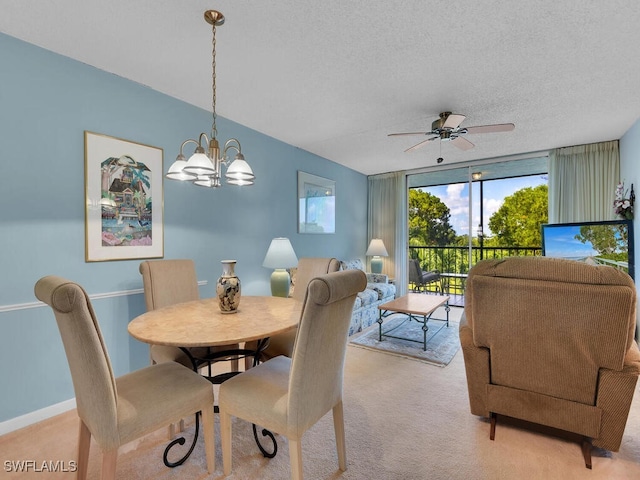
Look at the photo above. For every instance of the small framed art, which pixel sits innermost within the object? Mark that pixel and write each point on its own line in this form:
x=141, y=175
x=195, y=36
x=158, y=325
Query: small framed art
x=316, y=204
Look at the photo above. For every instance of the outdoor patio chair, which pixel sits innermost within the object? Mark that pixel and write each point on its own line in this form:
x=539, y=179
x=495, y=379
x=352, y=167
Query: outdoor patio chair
x=421, y=279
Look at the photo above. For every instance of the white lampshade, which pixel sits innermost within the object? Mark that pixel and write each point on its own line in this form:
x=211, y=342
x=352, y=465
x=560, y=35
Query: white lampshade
x=377, y=248
x=239, y=172
x=280, y=254
x=279, y=257
x=176, y=170
x=199, y=164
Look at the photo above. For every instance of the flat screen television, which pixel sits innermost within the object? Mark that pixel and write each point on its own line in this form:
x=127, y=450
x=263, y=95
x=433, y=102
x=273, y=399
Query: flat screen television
x=599, y=243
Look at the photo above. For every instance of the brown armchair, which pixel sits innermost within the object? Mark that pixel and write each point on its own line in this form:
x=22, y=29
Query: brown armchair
x=551, y=342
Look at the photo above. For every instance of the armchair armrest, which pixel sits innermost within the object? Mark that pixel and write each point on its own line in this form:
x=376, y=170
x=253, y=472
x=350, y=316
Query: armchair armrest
x=632, y=360
x=377, y=278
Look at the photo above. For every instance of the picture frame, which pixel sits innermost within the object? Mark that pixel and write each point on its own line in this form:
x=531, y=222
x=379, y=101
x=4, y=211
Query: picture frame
x=124, y=193
x=316, y=204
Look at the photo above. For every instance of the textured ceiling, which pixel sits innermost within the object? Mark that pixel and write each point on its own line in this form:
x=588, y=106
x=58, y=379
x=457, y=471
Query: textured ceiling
x=335, y=77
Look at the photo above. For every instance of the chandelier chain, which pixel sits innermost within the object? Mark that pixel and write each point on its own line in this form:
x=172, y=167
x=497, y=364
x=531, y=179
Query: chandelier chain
x=204, y=167
x=214, y=130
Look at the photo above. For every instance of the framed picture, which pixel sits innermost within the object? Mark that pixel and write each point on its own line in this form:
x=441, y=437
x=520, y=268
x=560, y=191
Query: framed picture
x=123, y=199
x=316, y=204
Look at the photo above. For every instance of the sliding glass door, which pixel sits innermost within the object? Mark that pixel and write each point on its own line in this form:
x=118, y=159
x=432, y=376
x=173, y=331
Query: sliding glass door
x=462, y=215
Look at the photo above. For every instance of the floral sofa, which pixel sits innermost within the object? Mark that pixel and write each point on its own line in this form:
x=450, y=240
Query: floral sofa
x=378, y=291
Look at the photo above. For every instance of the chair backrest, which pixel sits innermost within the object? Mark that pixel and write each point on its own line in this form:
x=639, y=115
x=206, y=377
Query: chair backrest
x=167, y=282
x=415, y=272
x=551, y=324
x=309, y=268
x=91, y=372
x=315, y=383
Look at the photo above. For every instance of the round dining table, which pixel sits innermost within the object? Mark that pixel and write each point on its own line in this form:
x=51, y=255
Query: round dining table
x=201, y=323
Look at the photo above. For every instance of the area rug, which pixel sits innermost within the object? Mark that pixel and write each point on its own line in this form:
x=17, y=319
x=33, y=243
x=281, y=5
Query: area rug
x=442, y=342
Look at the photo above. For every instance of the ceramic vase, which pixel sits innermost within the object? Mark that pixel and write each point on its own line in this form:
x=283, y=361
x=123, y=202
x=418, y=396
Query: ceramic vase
x=228, y=288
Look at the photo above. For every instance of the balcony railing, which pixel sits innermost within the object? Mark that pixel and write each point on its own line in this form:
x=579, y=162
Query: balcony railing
x=453, y=263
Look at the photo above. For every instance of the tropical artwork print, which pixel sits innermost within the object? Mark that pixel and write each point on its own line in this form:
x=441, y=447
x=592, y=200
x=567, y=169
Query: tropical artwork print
x=126, y=202
x=123, y=199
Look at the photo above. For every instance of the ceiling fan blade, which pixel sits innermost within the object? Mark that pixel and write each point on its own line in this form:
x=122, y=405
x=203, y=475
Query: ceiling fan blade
x=453, y=121
x=462, y=143
x=406, y=133
x=500, y=127
x=419, y=145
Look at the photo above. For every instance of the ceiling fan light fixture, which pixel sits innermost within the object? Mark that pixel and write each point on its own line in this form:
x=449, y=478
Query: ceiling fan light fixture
x=447, y=128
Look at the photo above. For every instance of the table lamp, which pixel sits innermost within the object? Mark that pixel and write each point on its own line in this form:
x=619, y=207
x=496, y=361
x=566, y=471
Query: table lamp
x=280, y=256
x=376, y=250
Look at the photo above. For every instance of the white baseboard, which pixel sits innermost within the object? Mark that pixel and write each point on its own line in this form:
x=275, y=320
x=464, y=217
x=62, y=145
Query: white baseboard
x=37, y=416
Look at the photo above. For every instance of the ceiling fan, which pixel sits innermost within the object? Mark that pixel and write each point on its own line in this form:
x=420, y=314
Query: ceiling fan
x=447, y=128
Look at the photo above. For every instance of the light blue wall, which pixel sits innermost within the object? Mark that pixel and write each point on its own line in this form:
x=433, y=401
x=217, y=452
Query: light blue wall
x=630, y=174
x=630, y=157
x=46, y=103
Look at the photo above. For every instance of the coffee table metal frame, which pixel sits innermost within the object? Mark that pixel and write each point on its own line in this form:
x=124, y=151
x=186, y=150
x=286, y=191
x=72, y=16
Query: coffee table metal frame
x=416, y=306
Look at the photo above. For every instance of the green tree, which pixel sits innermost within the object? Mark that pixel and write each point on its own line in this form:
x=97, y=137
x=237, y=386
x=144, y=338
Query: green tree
x=517, y=222
x=608, y=240
x=429, y=220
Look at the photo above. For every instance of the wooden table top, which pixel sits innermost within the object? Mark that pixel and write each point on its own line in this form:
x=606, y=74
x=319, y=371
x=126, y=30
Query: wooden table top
x=415, y=303
x=201, y=323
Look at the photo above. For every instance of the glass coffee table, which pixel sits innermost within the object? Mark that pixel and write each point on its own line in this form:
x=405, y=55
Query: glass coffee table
x=416, y=306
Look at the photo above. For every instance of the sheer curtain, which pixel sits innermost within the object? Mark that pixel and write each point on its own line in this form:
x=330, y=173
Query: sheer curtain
x=582, y=182
x=387, y=219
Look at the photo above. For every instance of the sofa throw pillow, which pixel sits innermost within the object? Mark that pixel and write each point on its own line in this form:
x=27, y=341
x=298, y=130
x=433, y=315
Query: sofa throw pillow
x=355, y=264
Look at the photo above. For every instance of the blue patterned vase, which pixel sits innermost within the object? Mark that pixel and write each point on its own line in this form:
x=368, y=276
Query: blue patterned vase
x=228, y=288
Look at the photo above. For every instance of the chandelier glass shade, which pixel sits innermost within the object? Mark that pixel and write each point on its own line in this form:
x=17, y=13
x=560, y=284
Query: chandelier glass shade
x=204, y=167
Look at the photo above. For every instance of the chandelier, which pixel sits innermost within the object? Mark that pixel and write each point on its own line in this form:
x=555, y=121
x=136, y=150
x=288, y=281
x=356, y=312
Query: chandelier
x=204, y=167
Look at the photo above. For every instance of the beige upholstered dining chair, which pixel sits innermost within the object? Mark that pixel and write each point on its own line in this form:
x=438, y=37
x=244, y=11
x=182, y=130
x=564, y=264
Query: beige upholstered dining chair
x=167, y=282
x=289, y=395
x=118, y=410
x=308, y=268
x=551, y=342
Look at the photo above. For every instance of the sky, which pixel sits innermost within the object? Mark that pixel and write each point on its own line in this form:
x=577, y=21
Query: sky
x=562, y=242
x=456, y=197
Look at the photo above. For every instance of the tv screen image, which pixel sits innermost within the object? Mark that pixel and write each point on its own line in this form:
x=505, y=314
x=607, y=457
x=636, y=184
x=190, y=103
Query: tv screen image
x=597, y=243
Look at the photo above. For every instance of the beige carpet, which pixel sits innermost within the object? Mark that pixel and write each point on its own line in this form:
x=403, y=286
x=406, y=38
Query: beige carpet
x=404, y=420
x=442, y=342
